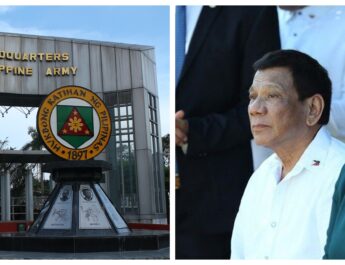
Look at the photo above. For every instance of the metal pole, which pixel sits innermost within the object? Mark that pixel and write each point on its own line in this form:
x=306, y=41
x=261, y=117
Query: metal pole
x=5, y=196
x=2, y=194
x=29, y=197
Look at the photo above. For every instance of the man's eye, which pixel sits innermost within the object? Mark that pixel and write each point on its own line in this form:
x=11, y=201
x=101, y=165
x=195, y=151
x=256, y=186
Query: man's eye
x=252, y=96
x=272, y=96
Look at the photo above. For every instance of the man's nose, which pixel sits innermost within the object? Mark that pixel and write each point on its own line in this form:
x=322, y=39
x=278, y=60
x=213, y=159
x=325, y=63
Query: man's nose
x=257, y=106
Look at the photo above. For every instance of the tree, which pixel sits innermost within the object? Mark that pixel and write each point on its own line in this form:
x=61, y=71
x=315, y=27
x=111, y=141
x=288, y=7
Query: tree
x=166, y=159
x=17, y=172
x=36, y=143
x=4, y=146
x=166, y=150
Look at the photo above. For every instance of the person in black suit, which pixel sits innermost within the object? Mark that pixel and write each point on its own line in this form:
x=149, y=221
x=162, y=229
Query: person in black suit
x=212, y=124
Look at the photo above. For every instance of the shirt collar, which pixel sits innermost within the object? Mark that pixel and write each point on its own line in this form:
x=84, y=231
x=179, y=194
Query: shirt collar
x=315, y=155
x=313, y=158
x=285, y=15
x=314, y=12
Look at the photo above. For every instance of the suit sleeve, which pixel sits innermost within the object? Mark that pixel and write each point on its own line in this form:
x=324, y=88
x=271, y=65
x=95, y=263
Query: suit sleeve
x=220, y=131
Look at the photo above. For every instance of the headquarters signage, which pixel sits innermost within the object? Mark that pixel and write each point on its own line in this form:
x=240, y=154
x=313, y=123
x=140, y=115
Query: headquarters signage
x=50, y=57
x=36, y=65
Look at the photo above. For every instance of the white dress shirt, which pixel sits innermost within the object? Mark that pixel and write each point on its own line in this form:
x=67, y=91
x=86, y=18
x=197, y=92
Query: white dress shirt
x=288, y=219
x=320, y=32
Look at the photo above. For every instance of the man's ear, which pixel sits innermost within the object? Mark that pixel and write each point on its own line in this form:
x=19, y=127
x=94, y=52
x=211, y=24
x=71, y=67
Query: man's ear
x=315, y=106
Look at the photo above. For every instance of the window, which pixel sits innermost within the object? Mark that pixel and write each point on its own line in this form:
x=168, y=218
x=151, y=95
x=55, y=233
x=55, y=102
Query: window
x=156, y=154
x=121, y=105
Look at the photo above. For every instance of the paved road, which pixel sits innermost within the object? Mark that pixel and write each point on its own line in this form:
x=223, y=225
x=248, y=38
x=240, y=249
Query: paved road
x=152, y=254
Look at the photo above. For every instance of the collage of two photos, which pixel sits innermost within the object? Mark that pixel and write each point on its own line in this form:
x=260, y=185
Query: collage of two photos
x=94, y=166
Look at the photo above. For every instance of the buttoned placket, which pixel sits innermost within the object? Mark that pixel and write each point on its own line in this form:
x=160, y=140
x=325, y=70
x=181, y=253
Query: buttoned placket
x=277, y=206
x=275, y=214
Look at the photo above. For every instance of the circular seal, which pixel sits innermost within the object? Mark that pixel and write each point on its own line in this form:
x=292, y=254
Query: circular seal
x=74, y=123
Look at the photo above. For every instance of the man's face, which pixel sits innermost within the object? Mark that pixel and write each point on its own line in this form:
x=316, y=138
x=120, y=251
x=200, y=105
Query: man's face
x=276, y=115
x=87, y=193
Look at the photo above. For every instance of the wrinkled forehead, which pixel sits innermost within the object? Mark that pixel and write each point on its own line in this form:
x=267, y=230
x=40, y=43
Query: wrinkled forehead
x=279, y=77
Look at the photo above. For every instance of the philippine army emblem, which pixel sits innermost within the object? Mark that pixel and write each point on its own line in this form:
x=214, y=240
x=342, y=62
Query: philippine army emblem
x=74, y=123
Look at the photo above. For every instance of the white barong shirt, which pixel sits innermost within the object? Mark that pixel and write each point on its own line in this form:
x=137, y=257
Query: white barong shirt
x=288, y=219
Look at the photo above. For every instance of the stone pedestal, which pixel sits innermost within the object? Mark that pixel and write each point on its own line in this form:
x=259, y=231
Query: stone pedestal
x=79, y=217
x=78, y=206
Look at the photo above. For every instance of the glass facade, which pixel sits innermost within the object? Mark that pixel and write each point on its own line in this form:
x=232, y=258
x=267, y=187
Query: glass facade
x=156, y=153
x=124, y=182
x=147, y=201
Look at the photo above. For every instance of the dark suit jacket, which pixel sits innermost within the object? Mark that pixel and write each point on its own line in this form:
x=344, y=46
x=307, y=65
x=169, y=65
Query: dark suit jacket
x=213, y=92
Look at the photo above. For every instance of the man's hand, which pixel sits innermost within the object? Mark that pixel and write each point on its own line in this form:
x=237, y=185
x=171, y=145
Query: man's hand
x=181, y=128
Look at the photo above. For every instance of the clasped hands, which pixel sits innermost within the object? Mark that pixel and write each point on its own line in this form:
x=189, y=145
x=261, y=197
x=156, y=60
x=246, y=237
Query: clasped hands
x=181, y=128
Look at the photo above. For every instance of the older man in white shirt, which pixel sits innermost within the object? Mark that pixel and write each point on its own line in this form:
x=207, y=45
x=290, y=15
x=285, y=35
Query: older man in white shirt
x=318, y=31
x=285, y=210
